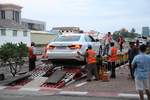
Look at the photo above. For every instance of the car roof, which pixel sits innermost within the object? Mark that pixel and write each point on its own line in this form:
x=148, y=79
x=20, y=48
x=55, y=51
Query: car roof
x=73, y=34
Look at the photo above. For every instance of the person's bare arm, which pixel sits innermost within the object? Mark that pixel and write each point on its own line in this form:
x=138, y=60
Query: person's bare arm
x=85, y=55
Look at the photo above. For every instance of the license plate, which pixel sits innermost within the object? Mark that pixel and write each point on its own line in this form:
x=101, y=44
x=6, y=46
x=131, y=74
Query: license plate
x=61, y=47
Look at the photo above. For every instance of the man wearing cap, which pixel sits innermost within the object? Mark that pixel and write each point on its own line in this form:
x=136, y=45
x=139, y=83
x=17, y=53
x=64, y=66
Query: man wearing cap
x=91, y=63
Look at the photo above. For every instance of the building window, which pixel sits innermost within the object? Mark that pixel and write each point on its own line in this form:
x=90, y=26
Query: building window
x=31, y=26
x=16, y=16
x=13, y=15
x=25, y=33
x=14, y=32
x=2, y=14
x=3, y=32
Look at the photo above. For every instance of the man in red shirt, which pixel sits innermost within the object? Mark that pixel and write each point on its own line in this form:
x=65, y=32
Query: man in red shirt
x=107, y=41
x=32, y=56
x=121, y=42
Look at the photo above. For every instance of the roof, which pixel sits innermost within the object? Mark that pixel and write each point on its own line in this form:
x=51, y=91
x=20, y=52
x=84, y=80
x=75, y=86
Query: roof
x=73, y=34
x=66, y=28
x=32, y=21
x=9, y=5
x=39, y=32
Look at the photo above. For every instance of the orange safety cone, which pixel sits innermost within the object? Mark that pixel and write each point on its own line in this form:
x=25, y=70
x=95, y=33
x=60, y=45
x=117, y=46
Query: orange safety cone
x=105, y=74
x=105, y=77
x=101, y=72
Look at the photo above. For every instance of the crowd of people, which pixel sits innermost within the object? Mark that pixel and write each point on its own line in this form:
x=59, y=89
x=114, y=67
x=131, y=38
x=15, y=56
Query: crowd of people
x=139, y=62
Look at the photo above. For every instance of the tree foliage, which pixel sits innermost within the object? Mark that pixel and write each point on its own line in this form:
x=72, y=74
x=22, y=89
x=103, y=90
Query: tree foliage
x=13, y=56
x=125, y=34
x=132, y=30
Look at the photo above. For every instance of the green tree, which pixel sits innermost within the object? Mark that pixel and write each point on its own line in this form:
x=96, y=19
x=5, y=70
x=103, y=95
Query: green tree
x=132, y=30
x=116, y=35
x=13, y=56
x=124, y=32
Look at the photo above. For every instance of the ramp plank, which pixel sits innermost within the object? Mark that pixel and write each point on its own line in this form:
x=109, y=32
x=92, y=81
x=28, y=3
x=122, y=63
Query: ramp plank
x=37, y=82
x=56, y=76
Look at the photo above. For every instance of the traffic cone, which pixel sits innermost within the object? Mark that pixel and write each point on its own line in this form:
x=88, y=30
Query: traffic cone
x=105, y=74
x=101, y=72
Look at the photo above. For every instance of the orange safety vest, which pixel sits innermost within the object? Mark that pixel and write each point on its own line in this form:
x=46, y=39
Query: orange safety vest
x=91, y=58
x=113, y=56
x=31, y=55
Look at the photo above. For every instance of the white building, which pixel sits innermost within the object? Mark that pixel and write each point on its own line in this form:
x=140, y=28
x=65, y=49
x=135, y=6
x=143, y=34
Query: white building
x=14, y=36
x=33, y=24
x=145, y=31
x=11, y=29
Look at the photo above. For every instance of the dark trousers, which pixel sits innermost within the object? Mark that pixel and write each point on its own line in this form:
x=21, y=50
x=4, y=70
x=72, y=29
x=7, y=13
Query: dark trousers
x=113, y=72
x=92, y=69
x=131, y=70
x=121, y=47
x=106, y=49
x=99, y=65
x=32, y=64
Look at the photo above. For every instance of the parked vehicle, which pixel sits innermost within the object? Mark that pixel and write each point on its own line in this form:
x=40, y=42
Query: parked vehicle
x=142, y=40
x=65, y=47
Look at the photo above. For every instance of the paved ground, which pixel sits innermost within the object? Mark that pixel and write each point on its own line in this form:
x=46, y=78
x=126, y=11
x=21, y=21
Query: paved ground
x=123, y=86
x=123, y=83
x=23, y=97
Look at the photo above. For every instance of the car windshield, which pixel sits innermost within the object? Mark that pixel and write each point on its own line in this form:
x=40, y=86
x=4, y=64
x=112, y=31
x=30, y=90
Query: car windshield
x=67, y=38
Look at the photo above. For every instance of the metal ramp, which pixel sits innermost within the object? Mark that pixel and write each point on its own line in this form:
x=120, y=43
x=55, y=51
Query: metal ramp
x=66, y=77
x=56, y=76
x=37, y=82
x=49, y=76
x=40, y=71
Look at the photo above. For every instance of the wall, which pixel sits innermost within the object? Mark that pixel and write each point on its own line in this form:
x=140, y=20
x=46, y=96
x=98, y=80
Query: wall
x=41, y=38
x=19, y=38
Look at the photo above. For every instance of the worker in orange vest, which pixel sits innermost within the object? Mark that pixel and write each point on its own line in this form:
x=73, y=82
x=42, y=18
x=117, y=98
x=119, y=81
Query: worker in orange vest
x=91, y=63
x=112, y=59
x=32, y=56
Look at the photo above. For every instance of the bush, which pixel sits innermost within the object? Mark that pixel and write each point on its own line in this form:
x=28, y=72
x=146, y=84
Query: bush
x=12, y=55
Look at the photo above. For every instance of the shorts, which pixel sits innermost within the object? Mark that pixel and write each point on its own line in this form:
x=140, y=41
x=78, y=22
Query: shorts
x=142, y=84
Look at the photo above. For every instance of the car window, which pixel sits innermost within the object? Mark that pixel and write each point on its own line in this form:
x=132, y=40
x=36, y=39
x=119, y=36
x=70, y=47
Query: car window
x=67, y=38
x=89, y=39
x=93, y=40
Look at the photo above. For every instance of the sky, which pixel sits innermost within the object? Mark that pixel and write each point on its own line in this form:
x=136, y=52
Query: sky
x=98, y=15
